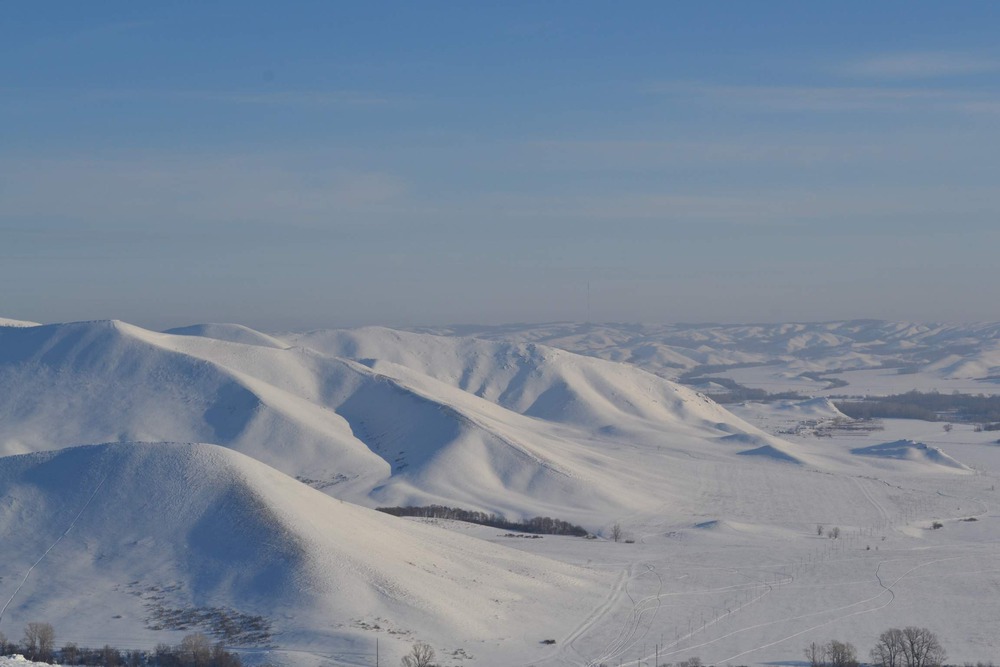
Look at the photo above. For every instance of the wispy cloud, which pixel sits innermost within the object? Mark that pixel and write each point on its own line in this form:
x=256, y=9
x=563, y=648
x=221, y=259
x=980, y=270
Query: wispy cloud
x=603, y=154
x=919, y=65
x=832, y=98
x=194, y=190
x=773, y=206
x=276, y=98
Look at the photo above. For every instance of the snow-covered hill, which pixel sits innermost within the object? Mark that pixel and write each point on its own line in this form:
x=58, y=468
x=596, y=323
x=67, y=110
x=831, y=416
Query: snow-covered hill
x=5, y=322
x=131, y=534
x=233, y=333
x=534, y=380
x=908, y=450
x=409, y=419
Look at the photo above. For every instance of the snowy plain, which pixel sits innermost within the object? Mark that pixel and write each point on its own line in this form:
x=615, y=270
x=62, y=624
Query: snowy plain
x=299, y=435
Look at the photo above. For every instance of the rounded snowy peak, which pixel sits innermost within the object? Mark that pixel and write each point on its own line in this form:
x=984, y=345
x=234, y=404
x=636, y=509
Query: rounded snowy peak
x=230, y=333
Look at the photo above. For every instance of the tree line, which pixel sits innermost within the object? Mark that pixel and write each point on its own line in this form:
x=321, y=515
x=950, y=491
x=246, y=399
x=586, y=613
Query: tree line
x=930, y=406
x=907, y=647
x=541, y=525
x=195, y=650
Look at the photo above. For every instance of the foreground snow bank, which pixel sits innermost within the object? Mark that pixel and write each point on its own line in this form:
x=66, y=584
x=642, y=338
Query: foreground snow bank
x=19, y=661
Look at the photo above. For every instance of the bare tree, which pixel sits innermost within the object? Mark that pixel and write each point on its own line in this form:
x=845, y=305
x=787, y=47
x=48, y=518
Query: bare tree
x=616, y=532
x=819, y=529
x=110, y=657
x=163, y=655
x=888, y=651
x=921, y=648
x=816, y=654
x=690, y=662
x=421, y=655
x=841, y=654
x=133, y=658
x=834, y=533
x=39, y=640
x=70, y=653
x=196, y=650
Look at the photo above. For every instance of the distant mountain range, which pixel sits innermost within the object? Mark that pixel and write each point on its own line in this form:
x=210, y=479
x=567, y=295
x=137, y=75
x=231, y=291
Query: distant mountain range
x=946, y=351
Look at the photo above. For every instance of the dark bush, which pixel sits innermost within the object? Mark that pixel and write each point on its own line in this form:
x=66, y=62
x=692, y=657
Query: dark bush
x=540, y=524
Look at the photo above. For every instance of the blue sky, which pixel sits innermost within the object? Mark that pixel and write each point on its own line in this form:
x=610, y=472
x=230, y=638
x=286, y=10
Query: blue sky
x=291, y=165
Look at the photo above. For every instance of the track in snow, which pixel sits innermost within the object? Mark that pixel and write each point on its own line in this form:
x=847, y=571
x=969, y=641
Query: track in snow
x=51, y=547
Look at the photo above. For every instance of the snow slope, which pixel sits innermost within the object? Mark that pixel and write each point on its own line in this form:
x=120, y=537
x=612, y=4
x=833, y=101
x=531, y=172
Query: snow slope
x=910, y=451
x=523, y=430
x=126, y=529
x=110, y=381
x=813, y=408
x=530, y=379
x=233, y=333
x=980, y=363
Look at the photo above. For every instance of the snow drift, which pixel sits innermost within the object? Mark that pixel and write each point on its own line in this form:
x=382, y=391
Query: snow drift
x=912, y=452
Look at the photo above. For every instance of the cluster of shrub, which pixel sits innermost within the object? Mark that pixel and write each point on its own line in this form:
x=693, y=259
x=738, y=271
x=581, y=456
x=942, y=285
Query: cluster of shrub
x=542, y=525
x=909, y=647
x=195, y=650
x=930, y=406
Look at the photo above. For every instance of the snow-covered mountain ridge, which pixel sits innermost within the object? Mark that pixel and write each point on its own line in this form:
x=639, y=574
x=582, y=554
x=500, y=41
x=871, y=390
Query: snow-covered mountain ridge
x=410, y=419
x=937, y=352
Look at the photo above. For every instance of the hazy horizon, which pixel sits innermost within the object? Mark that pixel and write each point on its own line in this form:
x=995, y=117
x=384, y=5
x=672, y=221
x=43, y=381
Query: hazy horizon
x=404, y=165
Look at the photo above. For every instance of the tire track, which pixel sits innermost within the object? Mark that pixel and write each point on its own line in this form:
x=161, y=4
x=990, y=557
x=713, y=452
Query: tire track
x=885, y=589
x=51, y=547
x=627, y=635
x=619, y=587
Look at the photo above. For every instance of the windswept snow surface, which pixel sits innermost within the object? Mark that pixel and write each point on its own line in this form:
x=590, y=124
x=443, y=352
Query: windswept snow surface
x=722, y=559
